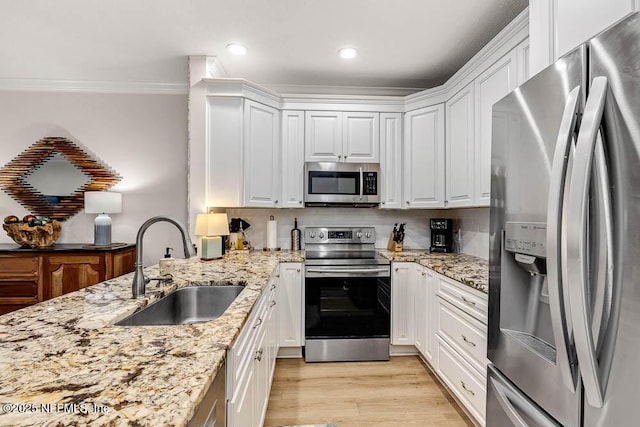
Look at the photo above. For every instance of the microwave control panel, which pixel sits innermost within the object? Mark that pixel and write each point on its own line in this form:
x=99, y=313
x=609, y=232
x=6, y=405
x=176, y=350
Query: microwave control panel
x=370, y=187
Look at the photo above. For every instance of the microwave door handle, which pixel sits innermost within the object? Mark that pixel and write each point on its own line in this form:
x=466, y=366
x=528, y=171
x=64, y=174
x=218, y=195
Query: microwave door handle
x=361, y=183
x=577, y=242
x=555, y=265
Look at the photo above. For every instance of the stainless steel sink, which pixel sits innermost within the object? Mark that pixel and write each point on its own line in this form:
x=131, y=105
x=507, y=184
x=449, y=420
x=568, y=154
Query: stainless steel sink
x=192, y=304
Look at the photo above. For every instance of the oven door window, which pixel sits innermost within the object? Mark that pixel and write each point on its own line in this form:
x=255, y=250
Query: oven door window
x=347, y=307
x=347, y=183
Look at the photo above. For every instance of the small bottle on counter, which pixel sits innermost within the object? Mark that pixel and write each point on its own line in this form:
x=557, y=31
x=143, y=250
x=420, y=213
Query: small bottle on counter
x=295, y=236
x=167, y=263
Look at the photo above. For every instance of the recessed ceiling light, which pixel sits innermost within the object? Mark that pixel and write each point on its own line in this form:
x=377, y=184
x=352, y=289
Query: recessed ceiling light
x=236, y=49
x=348, y=53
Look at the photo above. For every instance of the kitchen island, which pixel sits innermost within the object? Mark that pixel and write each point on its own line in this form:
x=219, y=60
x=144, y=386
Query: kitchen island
x=65, y=359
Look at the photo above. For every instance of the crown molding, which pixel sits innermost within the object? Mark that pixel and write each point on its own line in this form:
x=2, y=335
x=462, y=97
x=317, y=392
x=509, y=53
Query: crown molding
x=290, y=91
x=236, y=87
x=83, y=86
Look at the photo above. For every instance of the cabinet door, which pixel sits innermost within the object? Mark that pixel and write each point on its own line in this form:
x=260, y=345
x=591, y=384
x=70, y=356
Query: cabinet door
x=20, y=282
x=261, y=155
x=262, y=378
x=490, y=86
x=422, y=310
x=361, y=137
x=323, y=136
x=523, y=62
x=290, y=305
x=391, y=160
x=68, y=273
x=460, y=148
x=576, y=20
x=431, y=351
x=120, y=262
x=242, y=405
x=292, y=159
x=424, y=158
x=403, y=281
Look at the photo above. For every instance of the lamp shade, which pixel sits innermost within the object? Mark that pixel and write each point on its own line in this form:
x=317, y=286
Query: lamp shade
x=213, y=224
x=97, y=202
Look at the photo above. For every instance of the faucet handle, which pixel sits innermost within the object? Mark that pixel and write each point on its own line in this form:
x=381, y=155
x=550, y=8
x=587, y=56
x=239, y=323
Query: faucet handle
x=166, y=278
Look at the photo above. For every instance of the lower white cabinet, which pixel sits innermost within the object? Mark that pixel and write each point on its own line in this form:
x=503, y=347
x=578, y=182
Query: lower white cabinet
x=290, y=304
x=251, y=361
x=426, y=306
x=461, y=332
x=403, y=303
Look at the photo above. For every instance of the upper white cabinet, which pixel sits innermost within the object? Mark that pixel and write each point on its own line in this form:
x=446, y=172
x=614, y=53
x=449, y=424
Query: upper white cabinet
x=335, y=136
x=424, y=157
x=261, y=155
x=292, y=159
x=460, y=148
x=576, y=20
x=492, y=85
x=391, y=160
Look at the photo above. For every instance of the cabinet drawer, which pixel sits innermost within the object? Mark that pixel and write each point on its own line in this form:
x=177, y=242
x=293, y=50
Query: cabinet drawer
x=470, y=389
x=12, y=266
x=468, y=300
x=18, y=289
x=464, y=333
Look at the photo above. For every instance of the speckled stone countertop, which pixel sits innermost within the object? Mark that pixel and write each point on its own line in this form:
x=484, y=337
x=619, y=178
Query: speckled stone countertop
x=66, y=351
x=467, y=269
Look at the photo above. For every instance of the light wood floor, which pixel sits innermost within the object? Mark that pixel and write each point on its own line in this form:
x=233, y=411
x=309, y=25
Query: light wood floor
x=401, y=392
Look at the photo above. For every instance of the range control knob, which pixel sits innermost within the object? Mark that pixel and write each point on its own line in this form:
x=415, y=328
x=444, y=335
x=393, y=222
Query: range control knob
x=312, y=234
x=367, y=234
x=321, y=235
x=359, y=234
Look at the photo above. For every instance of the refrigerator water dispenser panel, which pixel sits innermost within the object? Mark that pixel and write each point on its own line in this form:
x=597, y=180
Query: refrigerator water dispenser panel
x=527, y=238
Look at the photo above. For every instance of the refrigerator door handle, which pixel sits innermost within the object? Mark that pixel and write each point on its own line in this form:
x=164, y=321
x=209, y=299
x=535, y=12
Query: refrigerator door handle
x=506, y=404
x=561, y=330
x=577, y=242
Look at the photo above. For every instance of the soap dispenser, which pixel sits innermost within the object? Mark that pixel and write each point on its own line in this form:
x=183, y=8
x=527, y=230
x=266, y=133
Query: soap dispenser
x=167, y=263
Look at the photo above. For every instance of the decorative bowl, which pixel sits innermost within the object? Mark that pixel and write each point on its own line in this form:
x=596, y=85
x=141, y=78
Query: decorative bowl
x=37, y=236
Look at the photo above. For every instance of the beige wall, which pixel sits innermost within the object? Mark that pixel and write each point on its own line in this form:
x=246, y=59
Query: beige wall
x=142, y=137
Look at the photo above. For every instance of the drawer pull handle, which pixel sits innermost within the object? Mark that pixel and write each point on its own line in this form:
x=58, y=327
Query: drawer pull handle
x=464, y=386
x=468, y=301
x=259, y=355
x=273, y=286
x=424, y=273
x=471, y=343
x=274, y=303
x=258, y=323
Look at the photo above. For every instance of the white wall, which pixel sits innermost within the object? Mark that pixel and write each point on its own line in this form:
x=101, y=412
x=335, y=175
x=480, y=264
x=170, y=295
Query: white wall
x=474, y=224
x=142, y=137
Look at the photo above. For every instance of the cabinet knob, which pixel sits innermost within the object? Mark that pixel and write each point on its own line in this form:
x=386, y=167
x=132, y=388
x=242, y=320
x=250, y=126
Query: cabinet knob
x=274, y=303
x=408, y=202
x=339, y=157
x=276, y=202
x=383, y=202
x=396, y=268
x=424, y=273
x=298, y=270
x=345, y=157
x=299, y=201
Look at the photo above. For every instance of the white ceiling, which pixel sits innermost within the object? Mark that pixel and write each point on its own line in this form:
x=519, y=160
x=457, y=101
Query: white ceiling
x=402, y=43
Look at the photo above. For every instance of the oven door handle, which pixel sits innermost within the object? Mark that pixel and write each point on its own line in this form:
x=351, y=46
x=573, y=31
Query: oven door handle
x=361, y=183
x=350, y=270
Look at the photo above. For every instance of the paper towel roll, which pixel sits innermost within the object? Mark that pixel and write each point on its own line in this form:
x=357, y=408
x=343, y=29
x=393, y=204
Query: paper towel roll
x=272, y=234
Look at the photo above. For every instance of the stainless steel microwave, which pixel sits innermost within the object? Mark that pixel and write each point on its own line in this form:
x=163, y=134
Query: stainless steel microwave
x=341, y=184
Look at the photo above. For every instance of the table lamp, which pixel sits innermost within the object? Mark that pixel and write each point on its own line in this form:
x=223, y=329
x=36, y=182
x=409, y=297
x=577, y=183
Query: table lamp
x=211, y=227
x=102, y=203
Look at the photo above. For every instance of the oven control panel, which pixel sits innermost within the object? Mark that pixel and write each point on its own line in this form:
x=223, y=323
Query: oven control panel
x=338, y=235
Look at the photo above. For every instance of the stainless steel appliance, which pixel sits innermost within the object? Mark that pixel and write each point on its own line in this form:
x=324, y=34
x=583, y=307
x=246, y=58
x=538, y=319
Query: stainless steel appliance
x=341, y=184
x=564, y=298
x=347, y=295
x=441, y=235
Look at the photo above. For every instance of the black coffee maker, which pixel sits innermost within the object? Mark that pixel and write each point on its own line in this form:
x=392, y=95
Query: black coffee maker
x=441, y=235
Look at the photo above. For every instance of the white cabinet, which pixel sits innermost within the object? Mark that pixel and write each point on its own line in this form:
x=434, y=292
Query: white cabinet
x=403, y=303
x=336, y=136
x=576, y=20
x=391, y=160
x=492, y=85
x=290, y=304
x=426, y=312
x=523, y=62
x=461, y=332
x=460, y=142
x=242, y=153
x=251, y=362
x=423, y=157
x=292, y=159
x=261, y=155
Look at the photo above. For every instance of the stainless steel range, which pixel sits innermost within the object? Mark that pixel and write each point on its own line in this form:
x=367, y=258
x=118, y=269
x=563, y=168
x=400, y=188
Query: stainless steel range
x=347, y=295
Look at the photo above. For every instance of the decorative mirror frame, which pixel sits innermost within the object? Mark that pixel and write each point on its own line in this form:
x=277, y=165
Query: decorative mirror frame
x=13, y=174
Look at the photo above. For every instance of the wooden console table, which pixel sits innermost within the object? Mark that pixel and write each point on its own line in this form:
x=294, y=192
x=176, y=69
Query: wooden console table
x=29, y=276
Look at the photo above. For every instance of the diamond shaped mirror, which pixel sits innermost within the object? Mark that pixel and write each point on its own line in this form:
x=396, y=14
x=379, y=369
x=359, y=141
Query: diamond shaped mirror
x=50, y=177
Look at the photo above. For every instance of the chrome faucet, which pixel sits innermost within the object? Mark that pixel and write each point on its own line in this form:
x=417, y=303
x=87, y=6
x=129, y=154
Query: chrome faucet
x=139, y=279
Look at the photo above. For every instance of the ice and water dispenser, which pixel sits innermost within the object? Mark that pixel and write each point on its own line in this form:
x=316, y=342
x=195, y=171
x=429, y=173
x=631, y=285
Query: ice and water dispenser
x=525, y=313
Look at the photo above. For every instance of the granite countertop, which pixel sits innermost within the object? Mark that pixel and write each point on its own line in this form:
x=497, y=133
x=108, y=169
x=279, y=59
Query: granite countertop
x=467, y=269
x=65, y=351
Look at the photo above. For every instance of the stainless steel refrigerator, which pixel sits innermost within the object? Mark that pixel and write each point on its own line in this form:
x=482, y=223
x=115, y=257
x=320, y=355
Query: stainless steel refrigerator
x=564, y=293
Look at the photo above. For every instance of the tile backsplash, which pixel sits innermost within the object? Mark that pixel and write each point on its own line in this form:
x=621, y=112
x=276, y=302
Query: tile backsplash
x=472, y=223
